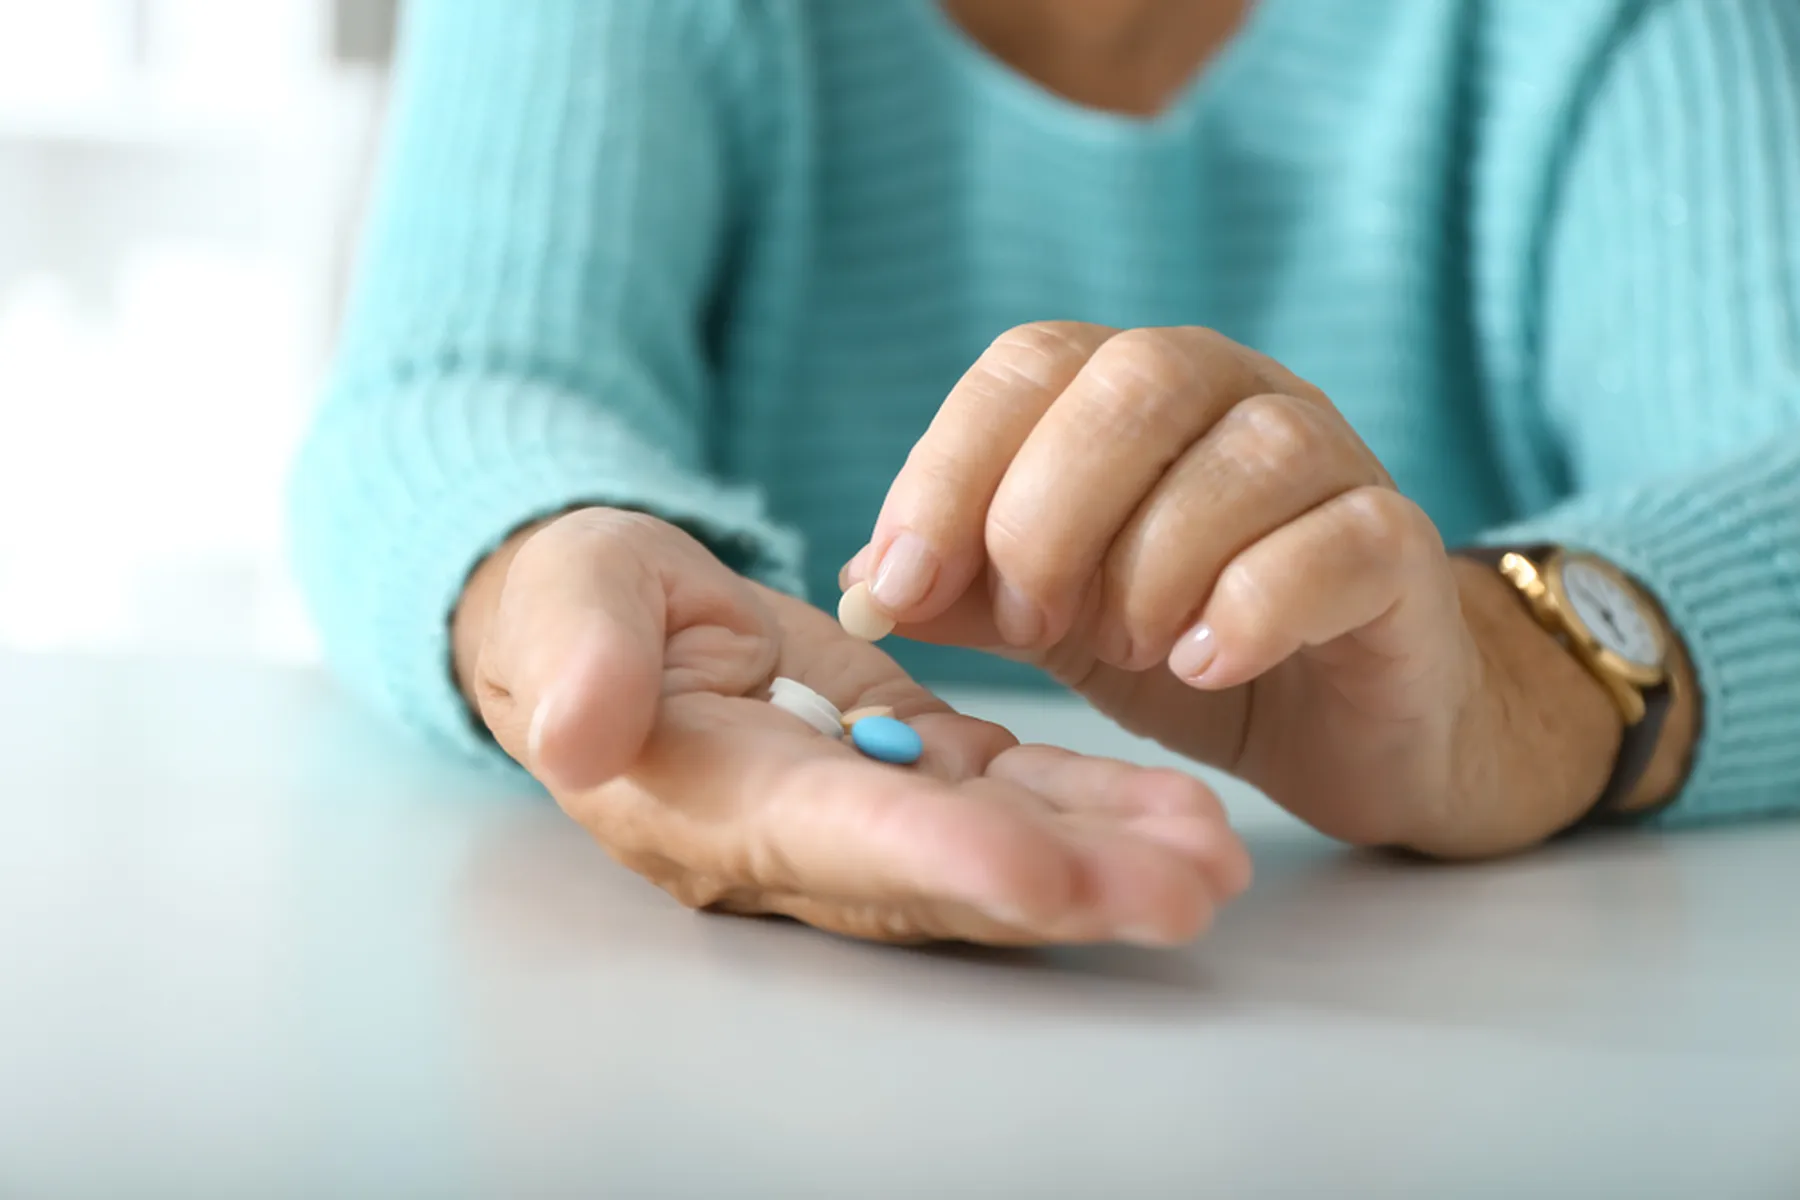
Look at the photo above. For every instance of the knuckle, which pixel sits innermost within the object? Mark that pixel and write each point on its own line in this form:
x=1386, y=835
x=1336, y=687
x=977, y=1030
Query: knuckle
x=1010, y=547
x=1388, y=528
x=1270, y=435
x=1028, y=563
x=1213, y=353
x=608, y=525
x=590, y=532
x=1140, y=366
x=1142, y=607
x=1242, y=587
x=933, y=470
x=1038, y=352
x=1169, y=792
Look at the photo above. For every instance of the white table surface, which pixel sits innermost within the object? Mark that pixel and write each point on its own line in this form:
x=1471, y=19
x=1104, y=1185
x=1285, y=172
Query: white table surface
x=251, y=947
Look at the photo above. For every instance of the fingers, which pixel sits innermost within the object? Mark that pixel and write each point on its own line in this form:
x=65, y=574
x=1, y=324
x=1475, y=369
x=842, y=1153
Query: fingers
x=1162, y=806
x=601, y=612
x=1134, y=409
x=1046, y=846
x=734, y=797
x=1127, y=891
x=927, y=545
x=1368, y=562
x=1268, y=460
x=1111, y=505
x=1111, y=883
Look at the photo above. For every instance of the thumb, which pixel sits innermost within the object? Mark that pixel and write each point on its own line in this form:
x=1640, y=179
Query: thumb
x=603, y=612
x=571, y=671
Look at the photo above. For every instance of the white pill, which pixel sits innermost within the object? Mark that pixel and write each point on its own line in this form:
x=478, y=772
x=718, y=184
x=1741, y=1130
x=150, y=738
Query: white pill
x=793, y=687
x=859, y=616
x=816, y=715
x=795, y=697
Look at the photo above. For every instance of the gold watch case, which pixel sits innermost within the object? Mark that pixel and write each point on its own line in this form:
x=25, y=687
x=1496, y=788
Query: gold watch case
x=1543, y=587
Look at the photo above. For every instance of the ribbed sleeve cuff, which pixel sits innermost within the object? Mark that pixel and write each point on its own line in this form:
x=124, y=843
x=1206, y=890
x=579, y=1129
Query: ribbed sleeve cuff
x=1722, y=555
x=396, y=501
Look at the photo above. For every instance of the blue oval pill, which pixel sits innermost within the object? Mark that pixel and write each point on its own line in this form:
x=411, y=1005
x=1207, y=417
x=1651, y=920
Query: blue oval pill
x=887, y=740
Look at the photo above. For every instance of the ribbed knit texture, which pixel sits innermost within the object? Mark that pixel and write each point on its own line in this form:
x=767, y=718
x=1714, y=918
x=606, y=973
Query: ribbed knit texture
x=722, y=259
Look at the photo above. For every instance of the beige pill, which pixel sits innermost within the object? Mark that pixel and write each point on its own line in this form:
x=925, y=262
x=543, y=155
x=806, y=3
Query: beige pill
x=859, y=616
x=874, y=710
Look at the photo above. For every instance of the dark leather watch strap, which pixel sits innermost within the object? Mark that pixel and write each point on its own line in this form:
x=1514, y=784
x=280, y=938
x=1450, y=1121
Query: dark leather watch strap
x=1638, y=743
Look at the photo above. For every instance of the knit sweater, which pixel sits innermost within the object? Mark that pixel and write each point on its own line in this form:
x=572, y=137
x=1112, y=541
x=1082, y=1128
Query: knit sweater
x=722, y=259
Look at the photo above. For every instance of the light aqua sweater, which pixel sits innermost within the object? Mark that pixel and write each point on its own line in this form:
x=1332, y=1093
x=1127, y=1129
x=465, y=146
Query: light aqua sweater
x=722, y=259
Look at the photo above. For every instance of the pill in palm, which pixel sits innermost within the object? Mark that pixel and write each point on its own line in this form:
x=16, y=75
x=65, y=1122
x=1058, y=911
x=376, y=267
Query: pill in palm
x=887, y=740
x=859, y=616
x=809, y=706
x=795, y=697
x=861, y=714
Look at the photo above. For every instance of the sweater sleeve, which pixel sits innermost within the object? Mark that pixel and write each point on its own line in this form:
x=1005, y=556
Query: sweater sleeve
x=526, y=331
x=1671, y=366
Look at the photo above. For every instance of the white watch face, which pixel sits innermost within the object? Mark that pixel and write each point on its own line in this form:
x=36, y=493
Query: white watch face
x=1612, y=614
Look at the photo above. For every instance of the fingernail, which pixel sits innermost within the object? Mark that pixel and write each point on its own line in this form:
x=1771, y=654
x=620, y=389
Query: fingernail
x=549, y=708
x=1017, y=618
x=534, y=739
x=908, y=569
x=856, y=569
x=1194, y=653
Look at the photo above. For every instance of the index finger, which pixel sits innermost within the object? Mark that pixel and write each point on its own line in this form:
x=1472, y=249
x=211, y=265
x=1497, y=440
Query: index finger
x=927, y=545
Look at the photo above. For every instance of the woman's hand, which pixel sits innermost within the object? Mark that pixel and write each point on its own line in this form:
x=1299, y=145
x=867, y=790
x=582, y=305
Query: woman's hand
x=1195, y=539
x=627, y=668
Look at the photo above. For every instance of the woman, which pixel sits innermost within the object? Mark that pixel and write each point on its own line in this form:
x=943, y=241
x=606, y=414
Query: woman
x=1276, y=312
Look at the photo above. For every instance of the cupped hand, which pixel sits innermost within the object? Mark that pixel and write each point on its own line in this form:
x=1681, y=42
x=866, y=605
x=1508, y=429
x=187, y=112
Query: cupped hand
x=1197, y=540
x=628, y=669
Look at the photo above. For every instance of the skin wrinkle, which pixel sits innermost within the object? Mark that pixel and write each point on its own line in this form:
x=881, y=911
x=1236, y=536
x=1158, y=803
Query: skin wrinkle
x=1187, y=500
x=1049, y=343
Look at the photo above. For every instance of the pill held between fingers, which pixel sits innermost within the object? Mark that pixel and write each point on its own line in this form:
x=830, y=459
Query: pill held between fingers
x=859, y=616
x=887, y=740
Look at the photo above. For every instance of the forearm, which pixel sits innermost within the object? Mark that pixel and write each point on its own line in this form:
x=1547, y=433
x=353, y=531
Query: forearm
x=512, y=352
x=1667, y=373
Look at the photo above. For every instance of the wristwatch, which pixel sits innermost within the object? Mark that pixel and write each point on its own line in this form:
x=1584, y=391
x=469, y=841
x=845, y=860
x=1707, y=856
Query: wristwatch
x=1608, y=623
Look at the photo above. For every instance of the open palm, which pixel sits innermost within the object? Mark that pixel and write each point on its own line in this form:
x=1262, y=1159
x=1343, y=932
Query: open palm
x=653, y=730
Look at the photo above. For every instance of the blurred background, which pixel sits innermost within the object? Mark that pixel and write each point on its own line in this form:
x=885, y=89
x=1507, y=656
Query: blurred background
x=179, y=190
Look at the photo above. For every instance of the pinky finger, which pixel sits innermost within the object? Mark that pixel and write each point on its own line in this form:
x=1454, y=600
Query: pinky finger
x=1367, y=563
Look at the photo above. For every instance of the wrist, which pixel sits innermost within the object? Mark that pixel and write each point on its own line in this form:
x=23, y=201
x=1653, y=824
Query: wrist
x=1669, y=765
x=1553, y=732
x=1542, y=735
